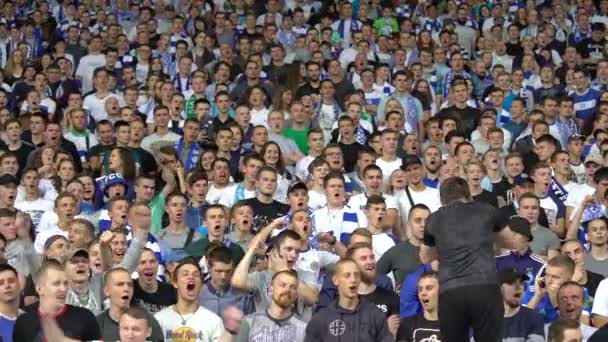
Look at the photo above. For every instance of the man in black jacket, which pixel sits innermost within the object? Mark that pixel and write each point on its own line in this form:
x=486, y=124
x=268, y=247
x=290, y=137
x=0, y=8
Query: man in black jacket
x=348, y=318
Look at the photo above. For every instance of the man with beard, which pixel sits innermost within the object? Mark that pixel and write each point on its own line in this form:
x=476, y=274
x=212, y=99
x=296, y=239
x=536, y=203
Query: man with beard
x=148, y=291
x=386, y=300
x=283, y=255
x=265, y=208
x=519, y=321
x=216, y=223
x=343, y=319
x=424, y=326
x=187, y=319
x=119, y=290
x=9, y=301
x=278, y=322
x=432, y=162
x=52, y=285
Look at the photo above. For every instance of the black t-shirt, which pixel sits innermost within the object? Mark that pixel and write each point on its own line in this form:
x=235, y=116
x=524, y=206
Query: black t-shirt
x=154, y=302
x=593, y=281
x=350, y=153
x=145, y=160
x=77, y=323
x=386, y=300
x=418, y=329
x=23, y=152
x=264, y=214
x=468, y=117
x=464, y=235
x=487, y=197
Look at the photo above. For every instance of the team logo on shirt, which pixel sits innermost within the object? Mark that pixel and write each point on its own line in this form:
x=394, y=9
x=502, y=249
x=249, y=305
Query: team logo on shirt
x=337, y=327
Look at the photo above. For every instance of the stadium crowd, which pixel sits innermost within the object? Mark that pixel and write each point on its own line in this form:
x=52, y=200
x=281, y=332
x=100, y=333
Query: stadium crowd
x=304, y=170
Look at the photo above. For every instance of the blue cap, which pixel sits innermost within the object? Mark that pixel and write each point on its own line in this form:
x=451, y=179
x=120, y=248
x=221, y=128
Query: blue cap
x=522, y=179
x=113, y=179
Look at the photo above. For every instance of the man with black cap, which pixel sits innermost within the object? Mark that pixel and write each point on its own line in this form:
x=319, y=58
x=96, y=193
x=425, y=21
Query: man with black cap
x=520, y=323
x=520, y=258
x=8, y=191
x=416, y=192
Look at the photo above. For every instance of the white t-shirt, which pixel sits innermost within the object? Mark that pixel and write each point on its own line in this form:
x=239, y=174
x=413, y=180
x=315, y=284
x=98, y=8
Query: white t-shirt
x=302, y=167
x=340, y=221
x=260, y=117
x=576, y=196
x=428, y=197
x=46, y=188
x=550, y=207
x=316, y=199
x=214, y=194
x=388, y=168
x=35, y=209
x=97, y=105
x=86, y=67
x=360, y=200
x=201, y=326
x=152, y=143
x=228, y=195
x=381, y=243
x=312, y=261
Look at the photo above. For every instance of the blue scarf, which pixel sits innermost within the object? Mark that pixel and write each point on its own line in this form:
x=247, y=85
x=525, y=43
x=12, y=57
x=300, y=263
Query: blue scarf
x=177, y=82
x=353, y=26
x=193, y=154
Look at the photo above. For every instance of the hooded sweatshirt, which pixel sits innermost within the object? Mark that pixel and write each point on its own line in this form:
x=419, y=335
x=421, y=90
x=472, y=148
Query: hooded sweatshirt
x=366, y=323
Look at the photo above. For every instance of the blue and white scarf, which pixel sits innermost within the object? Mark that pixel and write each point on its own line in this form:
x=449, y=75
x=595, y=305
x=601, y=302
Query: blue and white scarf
x=193, y=154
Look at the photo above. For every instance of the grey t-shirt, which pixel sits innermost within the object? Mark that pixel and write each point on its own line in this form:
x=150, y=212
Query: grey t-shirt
x=597, y=266
x=260, y=326
x=543, y=240
x=400, y=259
x=177, y=241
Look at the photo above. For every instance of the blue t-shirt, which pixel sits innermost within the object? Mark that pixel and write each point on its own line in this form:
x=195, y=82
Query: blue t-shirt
x=6, y=328
x=546, y=308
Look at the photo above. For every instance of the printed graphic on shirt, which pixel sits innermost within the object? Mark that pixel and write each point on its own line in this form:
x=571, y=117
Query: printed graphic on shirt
x=426, y=335
x=286, y=333
x=184, y=334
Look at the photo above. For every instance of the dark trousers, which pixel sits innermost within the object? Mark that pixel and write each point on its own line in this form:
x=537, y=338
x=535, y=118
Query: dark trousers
x=477, y=307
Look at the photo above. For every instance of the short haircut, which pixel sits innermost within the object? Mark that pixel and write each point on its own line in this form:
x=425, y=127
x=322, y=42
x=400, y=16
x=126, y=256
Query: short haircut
x=182, y=263
x=318, y=161
x=427, y=275
x=6, y=212
x=63, y=195
x=108, y=275
x=280, y=239
x=219, y=254
x=215, y=206
x=4, y=267
x=333, y=175
x=291, y=273
x=371, y=167
x=47, y=265
x=362, y=232
x=374, y=199
x=557, y=328
x=357, y=246
x=562, y=261
x=454, y=189
x=418, y=206
x=86, y=223
x=265, y=168
x=138, y=314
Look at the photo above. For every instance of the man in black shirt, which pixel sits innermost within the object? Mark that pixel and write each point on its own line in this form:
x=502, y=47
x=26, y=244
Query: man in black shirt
x=347, y=139
x=461, y=234
x=265, y=208
x=459, y=108
x=424, y=326
x=52, y=285
x=148, y=292
x=386, y=300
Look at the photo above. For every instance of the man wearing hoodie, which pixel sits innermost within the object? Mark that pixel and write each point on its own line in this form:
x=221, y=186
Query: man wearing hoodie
x=341, y=321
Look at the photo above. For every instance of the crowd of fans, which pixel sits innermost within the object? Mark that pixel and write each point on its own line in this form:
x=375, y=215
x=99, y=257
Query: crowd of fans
x=246, y=170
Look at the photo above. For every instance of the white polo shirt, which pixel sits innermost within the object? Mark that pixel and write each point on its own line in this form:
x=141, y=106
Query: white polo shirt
x=341, y=221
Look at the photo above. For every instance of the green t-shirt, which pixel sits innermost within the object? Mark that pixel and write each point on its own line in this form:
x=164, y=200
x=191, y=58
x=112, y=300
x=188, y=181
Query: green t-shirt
x=157, y=209
x=300, y=137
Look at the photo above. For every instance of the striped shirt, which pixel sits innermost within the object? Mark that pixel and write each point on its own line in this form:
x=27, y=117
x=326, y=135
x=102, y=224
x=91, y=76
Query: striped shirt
x=340, y=222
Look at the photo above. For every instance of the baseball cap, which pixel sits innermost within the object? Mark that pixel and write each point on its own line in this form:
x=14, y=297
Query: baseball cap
x=576, y=136
x=7, y=179
x=508, y=276
x=78, y=252
x=522, y=179
x=113, y=179
x=410, y=160
x=520, y=225
x=297, y=186
x=594, y=158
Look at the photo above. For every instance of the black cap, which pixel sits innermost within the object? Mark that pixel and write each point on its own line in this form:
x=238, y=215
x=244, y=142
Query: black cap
x=522, y=179
x=520, y=225
x=7, y=179
x=410, y=160
x=296, y=186
x=509, y=276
